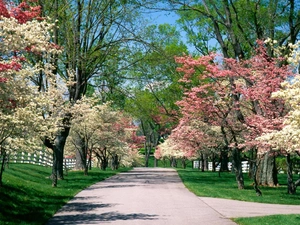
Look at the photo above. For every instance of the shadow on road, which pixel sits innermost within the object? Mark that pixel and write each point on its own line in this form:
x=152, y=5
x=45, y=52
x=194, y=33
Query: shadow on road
x=83, y=207
x=139, y=177
x=104, y=217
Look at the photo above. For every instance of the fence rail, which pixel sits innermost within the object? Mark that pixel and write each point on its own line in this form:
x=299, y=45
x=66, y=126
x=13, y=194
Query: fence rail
x=40, y=158
x=245, y=166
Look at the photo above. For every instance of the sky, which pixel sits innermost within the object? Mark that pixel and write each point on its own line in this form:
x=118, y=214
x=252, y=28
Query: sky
x=170, y=18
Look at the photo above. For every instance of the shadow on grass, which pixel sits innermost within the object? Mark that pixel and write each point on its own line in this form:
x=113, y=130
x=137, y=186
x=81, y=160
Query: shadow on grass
x=19, y=207
x=28, y=198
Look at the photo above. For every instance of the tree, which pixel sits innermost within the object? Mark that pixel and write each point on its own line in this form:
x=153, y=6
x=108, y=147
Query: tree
x=191, y=139
x=94, y=35
x=247, y=115
x=152, y=100
x=211, y=102
x=100, y=131
x=199, y=140
x=23, y=34
x=236, y=25
x=286, y=140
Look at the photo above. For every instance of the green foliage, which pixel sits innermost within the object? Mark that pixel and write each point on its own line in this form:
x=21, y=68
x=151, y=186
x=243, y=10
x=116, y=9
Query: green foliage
x=142, y=151
x=166, y=163
x=240, y=21
x=282, y=166
x=155, y=87
x=28, y=198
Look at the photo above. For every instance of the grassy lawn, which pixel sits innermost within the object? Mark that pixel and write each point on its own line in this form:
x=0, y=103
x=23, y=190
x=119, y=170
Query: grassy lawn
x=28, y=198
x=270, y=220
x=208, y=184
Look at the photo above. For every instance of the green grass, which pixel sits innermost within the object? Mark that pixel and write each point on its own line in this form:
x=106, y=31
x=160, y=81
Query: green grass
x=209, y=184
x=270, y=220
x=27, y=196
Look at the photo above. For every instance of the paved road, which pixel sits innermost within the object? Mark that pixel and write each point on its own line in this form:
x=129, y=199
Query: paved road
x=154, y=196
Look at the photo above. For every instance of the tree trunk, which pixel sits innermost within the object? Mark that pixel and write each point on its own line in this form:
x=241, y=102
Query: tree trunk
x=183, y=163
x=155, y=162
x=59, y=143
x=213, y=161
x=58, y=154
x=173, y=162
x=237, y=168
x=202, y=162
x=255, y=183
x=224, y=160
x=79, y=165
x=115, y=162
x=90, y=159
x=266, y=173
x=147, y=154
x=205, y=161
x=86, y=170
x=102, y=157
x=290, y=183
x=54, y=170
x=252, y=164
x=3, y=155
x=104, y=164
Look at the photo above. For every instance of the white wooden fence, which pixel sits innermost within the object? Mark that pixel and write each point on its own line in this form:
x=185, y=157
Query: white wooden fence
x=40, y=158
x=245, y=166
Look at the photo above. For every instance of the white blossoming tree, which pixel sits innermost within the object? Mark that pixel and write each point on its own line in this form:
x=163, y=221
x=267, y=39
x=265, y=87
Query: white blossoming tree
x=287, y=140
x=27, y=114
x=105, y=134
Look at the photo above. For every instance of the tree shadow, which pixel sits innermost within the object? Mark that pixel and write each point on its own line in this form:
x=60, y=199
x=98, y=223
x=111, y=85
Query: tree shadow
x=104, y=217
x=116, y=186
x=140, y=176
x=83, y=207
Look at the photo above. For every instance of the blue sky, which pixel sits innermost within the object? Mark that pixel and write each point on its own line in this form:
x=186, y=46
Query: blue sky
x=167, y=17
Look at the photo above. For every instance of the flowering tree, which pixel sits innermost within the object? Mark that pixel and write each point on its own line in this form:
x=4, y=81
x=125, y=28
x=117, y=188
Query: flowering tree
x=286, y=140
x=211, y=100
x=236, y=96
x=35, y=111
x=98, y=130
x=169, y=150
x=22, y=34
x=191, y=139
x=198, y=140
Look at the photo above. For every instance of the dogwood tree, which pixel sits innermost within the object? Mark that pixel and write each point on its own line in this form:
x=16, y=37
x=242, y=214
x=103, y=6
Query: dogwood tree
x=101, y=132
x=38, y=110
x=23, y=34
x=286, y=140
x=236, y=96
x=198, y=140
x=188, y=140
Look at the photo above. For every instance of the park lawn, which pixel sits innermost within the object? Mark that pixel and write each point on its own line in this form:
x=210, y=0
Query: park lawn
x=270, y=220
x=209, y=184
x=27, y=196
